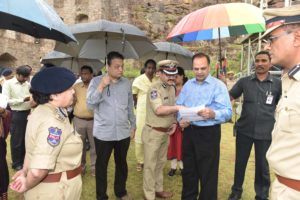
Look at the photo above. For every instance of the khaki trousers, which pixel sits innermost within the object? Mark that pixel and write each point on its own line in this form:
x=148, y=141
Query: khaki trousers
x=85, y=129
x=280, y=191
x=155, y=157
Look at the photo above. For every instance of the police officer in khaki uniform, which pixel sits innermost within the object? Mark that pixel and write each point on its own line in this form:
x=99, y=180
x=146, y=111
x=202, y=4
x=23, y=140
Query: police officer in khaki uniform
x=160, y=123
x=52, y=167
x=283, y=42
x=230, y=81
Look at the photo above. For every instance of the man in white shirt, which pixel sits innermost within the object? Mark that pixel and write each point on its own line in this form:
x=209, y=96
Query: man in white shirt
x=17, y=91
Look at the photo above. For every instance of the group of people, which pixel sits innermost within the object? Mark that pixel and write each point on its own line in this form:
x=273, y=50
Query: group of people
x=52, y=164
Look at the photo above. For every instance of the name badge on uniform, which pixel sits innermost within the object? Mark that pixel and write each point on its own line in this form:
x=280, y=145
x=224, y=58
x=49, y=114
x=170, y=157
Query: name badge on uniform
x=269, y=100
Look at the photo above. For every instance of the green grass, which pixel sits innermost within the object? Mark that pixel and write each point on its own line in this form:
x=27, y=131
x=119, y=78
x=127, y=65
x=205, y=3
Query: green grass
x=134, y=182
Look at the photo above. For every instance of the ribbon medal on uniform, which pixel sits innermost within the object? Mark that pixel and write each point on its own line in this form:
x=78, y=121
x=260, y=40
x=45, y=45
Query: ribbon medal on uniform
x=54, y=136
x=153, y=94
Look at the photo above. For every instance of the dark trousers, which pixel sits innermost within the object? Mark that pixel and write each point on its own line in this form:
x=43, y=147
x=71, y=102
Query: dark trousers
x=17, y=140
x=200, y=156
x=262, y=174
x=103, y=151
x=4, y=176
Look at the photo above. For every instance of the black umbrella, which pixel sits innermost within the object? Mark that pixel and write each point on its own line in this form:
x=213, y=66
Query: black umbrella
x=35, y=18
x=172, y=51
x=97, y=39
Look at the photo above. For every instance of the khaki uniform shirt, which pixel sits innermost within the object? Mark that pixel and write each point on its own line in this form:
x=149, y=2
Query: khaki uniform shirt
x=230, y=83
x=80, y=108
x=160, y=94
x=140, y=87
x=51, y=142
x=284, y=152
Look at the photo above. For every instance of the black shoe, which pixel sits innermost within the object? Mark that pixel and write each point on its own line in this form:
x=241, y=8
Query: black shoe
x=234, y=196
x=18, y=168
x=172, y=172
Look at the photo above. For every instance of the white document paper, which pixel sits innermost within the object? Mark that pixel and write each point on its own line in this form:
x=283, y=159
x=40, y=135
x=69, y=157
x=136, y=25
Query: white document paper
x=190, y=114
x=3, y=101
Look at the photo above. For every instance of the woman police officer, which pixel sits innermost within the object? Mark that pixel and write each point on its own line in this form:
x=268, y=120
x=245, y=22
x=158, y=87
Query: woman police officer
x=52, y=167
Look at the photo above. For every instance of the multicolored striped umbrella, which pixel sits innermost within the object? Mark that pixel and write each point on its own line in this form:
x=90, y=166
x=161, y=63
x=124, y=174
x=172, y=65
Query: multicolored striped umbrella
x=232, y=19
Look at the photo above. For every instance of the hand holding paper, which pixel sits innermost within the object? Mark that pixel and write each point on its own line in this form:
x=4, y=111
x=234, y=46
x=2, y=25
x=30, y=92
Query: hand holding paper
x=207, y=113
x=191, y=114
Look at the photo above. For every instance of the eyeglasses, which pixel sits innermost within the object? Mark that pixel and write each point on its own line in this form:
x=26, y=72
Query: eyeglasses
x=271, y=39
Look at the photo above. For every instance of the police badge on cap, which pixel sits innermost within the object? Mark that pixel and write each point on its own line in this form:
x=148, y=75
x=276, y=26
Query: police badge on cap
x=277, y=17
x=168, y=66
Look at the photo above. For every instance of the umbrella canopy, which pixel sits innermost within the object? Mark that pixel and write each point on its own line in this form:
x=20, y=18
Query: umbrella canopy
x=97, y=39
x=35, y=18
x=231, y=19
x=72, y=63
x=172, y=51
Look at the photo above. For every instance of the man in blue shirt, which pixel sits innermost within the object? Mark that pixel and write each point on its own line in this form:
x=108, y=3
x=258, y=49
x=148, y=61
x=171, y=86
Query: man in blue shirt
x=201, y=139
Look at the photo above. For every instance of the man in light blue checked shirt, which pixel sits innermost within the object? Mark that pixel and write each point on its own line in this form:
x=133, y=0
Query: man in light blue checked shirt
x=201, y=139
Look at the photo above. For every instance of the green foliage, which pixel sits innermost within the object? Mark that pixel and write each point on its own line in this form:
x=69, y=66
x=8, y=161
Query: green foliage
x=132, y=73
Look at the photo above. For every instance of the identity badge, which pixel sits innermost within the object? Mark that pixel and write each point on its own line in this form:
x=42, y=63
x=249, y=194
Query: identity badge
x=269, y=100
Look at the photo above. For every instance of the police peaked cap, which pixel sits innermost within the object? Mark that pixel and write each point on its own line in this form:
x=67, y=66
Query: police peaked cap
x=168, y=66
x=277, y=17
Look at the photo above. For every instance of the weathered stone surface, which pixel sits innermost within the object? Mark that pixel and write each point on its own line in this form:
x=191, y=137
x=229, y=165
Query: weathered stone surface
x=155, y=17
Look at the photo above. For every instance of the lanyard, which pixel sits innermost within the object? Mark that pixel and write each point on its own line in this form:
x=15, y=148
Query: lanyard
x=267, y=92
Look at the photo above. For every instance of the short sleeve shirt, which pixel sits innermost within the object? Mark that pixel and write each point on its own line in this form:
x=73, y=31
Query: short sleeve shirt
x=160, y=94
x=51, y=142
x=257, y=118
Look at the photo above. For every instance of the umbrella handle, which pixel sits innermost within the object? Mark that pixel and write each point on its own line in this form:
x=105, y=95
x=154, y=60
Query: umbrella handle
x=123, y=39
x=106, y=43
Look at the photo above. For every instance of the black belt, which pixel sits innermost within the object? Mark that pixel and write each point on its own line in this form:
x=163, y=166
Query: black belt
x=20, y=110
x=87, y=119
x=201, y=127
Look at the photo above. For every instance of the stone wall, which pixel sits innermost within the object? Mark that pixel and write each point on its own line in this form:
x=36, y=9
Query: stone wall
x=155, y=17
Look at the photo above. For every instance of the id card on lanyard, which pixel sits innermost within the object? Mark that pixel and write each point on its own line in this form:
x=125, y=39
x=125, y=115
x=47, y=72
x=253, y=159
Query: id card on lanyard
x=269, y=100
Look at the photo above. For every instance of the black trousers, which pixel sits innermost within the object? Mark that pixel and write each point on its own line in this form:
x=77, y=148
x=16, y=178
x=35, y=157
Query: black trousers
x=103, y=151
x=17, y=140
x=4, y=176
x=262, y=174
x=200, y=156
